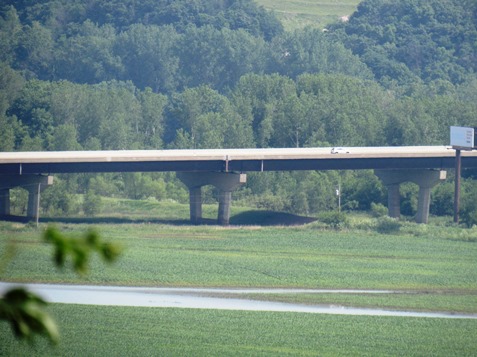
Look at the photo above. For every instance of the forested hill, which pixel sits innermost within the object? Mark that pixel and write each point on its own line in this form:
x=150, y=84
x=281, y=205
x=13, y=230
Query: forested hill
x=430, y=39
x=170, y=45
x=129, y=74
x=59, y=15
x=229, y=66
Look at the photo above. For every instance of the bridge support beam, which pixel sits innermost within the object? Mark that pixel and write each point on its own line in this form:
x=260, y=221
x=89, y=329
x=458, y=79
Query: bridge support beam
x=4, y=202
x=34, y=184
x=425, y=179
x=226, y=182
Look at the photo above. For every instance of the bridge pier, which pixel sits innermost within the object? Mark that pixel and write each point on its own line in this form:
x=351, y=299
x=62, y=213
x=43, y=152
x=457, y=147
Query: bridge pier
x=4, y=202
x=425, y=179
x=226, y=182
x=34, y=184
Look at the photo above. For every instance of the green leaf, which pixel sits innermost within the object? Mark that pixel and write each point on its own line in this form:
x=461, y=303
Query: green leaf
x=25, y=312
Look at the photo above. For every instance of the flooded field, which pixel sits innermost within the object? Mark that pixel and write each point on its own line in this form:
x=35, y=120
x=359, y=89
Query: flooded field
x=223, y=299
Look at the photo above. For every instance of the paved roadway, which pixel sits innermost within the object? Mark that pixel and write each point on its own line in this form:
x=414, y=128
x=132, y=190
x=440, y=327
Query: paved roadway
x=238, y=160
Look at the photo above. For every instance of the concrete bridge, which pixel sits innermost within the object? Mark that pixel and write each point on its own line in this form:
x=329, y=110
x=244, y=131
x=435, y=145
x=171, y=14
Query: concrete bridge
x=226, y=168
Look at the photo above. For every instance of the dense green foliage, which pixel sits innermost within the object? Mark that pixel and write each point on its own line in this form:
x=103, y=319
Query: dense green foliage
x=243, y=14
x=429, y=39
x=90, y=75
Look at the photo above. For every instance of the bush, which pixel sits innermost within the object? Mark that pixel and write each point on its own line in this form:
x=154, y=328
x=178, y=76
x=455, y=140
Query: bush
x=91, y=203
x=333, y=219
x=270, y=202
x=409, y=193
x=56, y=199
x=468, y=210
x=388, y=225
x=18, y=200
x=351, y=205
x=468, y=216
x=378, y=210
x=442, y=200
x=104, y=185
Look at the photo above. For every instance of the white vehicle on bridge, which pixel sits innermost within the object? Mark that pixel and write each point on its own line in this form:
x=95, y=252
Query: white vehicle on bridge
x=339, y=150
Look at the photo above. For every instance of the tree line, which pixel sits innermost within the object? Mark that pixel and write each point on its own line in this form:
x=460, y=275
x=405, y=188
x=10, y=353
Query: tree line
x=90, y=75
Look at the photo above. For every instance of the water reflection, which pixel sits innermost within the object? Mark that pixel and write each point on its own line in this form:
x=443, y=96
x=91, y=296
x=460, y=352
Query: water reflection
x=208, y=299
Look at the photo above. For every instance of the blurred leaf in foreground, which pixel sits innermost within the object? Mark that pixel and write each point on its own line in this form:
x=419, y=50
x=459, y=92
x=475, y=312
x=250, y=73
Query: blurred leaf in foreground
x=25, y=312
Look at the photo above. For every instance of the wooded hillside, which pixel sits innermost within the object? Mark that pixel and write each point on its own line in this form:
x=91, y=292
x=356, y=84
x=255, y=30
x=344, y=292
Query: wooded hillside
x=122, y=74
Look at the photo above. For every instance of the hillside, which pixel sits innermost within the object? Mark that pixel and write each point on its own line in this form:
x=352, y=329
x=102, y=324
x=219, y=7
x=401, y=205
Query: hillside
x=181, y=74
x=317, y=13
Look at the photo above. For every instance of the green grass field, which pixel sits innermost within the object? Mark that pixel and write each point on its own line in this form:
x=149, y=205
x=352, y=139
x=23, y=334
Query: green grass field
x=126, y=331
x=300, y=257
x=317, y=13
x=435, y=263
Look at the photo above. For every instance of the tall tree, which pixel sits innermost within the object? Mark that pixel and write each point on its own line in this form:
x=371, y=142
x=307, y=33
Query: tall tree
x=312, y=51
x=10, y=33
x=87, y=55
x=346, y=110
x=35, y=50
x=218, y=58
x=152, y=124
x=149, y=57
x=258, y=96
x=202, y=118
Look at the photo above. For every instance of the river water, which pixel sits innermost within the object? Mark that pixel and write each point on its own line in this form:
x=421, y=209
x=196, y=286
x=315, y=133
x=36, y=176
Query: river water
x=209, y=299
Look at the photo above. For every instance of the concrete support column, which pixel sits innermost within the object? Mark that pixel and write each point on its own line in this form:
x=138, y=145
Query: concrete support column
x=33, y=201
x=34, y=184
x=425, y=179
x=225, y=200
x=423, y=204
x=195, y=204
x=226, y=182
x=394, y=201
x=4, y=202
x=34, y=190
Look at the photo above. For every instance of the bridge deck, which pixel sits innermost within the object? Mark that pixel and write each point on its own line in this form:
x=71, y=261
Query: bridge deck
x=275, y=159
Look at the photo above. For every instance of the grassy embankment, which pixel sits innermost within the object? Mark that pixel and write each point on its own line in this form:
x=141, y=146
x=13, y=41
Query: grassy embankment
x=435, y=262
x=300, y=13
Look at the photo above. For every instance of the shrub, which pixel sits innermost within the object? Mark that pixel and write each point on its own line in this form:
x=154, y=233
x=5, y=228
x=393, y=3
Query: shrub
x=388, y=225
x=378, y=210
x=91, y=203
x=104, y=185
x=468, y=216
x=56, y=199
x=270, y=202
x=468, y=211
x=333, y=219
x=409, y=193
x=351, y=205
x=18, y=200
x=442, y=199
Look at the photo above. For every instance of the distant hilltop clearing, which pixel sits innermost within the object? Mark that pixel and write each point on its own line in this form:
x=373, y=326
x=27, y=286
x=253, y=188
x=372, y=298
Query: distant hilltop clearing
x=301, y=13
